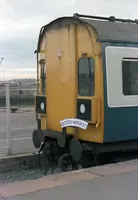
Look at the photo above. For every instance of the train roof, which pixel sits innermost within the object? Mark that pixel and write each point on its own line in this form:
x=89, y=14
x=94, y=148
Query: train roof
x=114, y=31
x=108, y=29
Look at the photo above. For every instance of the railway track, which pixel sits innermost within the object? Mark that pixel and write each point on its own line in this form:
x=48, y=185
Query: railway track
x=35, y=172
x=108, y=158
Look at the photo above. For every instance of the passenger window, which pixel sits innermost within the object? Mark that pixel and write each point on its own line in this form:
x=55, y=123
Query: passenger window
x=130, y=76
x=86, y=77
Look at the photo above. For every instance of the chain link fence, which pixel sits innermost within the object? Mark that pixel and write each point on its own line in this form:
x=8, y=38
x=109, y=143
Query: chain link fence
x=17, y=120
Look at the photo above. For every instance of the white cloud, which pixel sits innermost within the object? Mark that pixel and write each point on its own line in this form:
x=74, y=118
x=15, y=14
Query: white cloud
x=21, y=20
x=118, y=8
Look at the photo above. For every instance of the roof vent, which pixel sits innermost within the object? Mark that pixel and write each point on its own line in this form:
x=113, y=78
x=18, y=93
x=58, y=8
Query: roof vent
x=112, y=18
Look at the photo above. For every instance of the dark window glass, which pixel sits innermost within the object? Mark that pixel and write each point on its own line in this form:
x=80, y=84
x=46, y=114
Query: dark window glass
x=43, y=75
x=86, y=77
x=130, y=76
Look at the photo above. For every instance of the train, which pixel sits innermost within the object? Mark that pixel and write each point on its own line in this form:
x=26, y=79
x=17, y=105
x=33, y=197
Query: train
x=87, y=97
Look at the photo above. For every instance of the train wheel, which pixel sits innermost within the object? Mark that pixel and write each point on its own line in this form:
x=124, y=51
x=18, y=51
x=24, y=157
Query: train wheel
x=65, y=162
x=47, y=157
x=88, y=159
x=43, y=163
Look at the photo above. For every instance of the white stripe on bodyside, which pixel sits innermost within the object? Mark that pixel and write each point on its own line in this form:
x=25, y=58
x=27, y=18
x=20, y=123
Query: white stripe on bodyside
x=114, y=56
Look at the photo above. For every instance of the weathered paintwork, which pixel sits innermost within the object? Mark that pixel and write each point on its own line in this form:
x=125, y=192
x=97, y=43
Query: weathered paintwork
x=62, y=78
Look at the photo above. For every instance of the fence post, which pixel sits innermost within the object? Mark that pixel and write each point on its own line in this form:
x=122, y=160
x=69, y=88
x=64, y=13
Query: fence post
x=8, y=116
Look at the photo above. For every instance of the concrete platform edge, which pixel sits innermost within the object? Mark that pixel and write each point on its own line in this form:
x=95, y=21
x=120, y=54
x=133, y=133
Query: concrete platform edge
x=67, y=178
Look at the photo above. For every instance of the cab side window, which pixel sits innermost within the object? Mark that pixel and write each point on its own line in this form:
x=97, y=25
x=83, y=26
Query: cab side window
x=86, y=77
x=43, y=75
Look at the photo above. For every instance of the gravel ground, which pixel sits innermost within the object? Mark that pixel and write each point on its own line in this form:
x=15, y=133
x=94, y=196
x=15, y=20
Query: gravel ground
x=26, y=174
x=21, y=175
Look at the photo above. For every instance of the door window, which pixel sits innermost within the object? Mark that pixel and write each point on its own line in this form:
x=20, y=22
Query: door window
x=86, y=77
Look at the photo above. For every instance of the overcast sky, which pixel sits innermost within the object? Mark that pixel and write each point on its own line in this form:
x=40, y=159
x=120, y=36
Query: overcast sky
x=21, y=20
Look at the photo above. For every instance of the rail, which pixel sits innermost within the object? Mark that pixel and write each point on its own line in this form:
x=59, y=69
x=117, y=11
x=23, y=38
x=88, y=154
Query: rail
x=111, y=18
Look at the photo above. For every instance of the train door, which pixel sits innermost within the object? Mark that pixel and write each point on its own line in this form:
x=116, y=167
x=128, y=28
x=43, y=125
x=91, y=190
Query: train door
x=90, y=87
